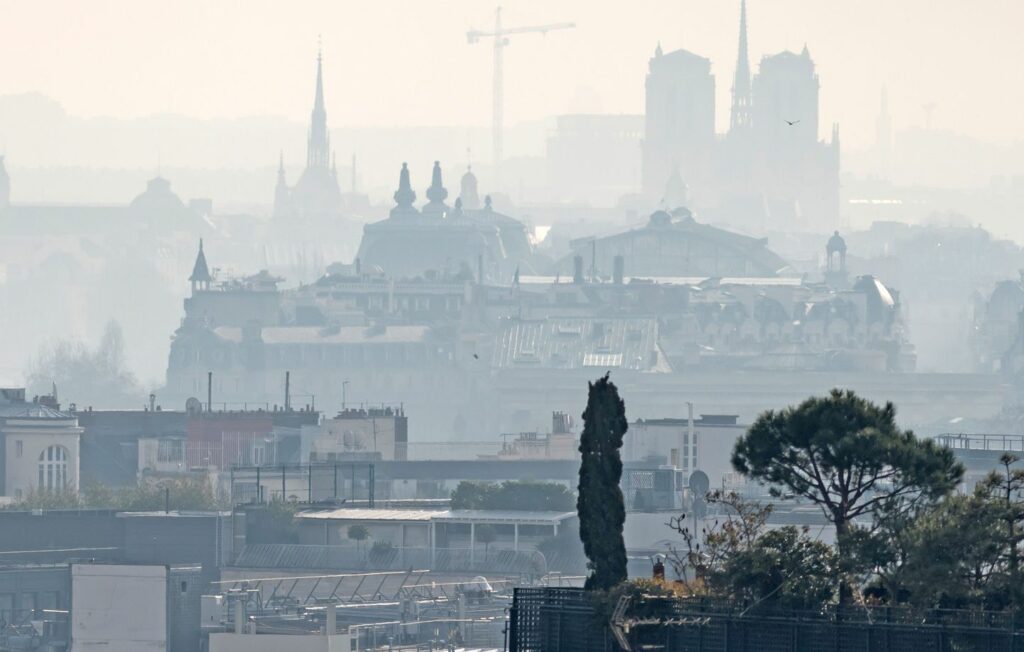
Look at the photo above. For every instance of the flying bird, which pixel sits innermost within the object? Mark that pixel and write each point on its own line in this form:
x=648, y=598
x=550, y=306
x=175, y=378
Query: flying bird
x=476, y=356
x=791, y=122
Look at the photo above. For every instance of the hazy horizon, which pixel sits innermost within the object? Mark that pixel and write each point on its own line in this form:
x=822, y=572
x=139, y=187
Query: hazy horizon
x=397, y=64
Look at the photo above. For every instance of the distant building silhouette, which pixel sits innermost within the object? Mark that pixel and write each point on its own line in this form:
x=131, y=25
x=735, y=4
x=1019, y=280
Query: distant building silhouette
x=770, y=171
x=679, y=126
x=445, y=241
x=468, y=191
x=317, y=193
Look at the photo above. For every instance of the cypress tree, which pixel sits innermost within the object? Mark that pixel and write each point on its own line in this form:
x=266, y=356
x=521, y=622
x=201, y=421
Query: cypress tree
x=600, y=505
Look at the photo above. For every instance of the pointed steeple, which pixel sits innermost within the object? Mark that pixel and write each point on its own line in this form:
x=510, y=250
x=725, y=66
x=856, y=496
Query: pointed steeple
x=658, y=51
x=436, y=193
x=282, y=194
x=741, y=96
x=200, y=277
x=318, y=153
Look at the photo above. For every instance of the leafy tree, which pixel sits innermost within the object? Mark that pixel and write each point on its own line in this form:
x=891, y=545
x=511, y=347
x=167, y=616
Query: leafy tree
x=961, y=552
x=473, y=495
x=272, y=522
x=486, y=534
x=180, y=494
x=784, y=567
x=736, y=557
x=1005, y=490
x=599, y=502
x=87, y=376
x=699, y=566
x=846, y=455
x=513, y=495
x=358, y=533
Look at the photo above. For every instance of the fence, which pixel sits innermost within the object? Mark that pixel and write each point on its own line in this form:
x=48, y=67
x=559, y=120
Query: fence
x=306, y=557
x=564, y=619
x=306, y=483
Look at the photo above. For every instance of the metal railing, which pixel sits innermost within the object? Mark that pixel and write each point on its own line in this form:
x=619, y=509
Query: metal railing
x=569, y=620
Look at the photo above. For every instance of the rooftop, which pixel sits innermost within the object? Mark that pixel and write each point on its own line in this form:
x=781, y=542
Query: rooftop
x=339, y=335
x=448, y=516
x=350, y=514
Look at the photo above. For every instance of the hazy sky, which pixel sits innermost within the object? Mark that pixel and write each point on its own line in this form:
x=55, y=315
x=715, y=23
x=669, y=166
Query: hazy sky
x=407, y=62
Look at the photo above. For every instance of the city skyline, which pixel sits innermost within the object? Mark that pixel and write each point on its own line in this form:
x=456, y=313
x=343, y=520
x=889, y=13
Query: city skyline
x=262, y=60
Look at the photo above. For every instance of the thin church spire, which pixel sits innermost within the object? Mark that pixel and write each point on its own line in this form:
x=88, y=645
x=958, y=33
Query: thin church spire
x=741, y=96
x=318, y=154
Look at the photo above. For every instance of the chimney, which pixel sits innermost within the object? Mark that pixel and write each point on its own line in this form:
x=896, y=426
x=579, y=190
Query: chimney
x=209, y=391
x=287, y=390
x=332, y=619
x=577, y=269
x=620, y=269
x=559, y=423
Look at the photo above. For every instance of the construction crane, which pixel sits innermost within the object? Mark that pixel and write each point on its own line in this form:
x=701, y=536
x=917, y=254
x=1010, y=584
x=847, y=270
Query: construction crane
x=500, y=36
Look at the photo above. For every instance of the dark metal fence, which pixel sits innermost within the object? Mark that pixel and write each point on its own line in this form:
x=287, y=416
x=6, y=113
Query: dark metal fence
x=566, y=620
x=306, y=483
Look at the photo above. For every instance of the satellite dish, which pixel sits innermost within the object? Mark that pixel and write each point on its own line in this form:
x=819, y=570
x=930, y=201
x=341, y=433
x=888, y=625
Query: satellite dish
x=699, y=483
x=193, y=405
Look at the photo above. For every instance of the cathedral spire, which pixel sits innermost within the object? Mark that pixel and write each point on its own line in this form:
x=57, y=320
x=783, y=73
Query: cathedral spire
x=741, y=100
x=318, y=155
x=282, y=206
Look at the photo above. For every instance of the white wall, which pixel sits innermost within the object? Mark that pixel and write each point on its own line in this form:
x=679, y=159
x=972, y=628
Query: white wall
x=118, y=608
x=230, y=642
x=714, y=445
x=22, y=461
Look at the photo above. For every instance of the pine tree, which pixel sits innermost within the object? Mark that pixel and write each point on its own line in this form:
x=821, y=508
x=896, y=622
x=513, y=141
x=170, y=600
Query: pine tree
x=600, y=505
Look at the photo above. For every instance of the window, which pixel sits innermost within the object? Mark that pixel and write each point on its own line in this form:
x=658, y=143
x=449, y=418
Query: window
x=19, y=448
x=53, y=469
x=170, y=450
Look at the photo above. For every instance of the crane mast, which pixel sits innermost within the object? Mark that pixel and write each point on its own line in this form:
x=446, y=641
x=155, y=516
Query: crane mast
x=500, y=36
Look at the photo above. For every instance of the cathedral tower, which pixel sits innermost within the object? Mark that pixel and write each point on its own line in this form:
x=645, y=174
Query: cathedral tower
x=319, y=150
x=741, y=99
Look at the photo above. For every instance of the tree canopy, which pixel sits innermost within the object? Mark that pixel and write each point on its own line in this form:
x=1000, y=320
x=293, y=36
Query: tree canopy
x=599, y=501
x=846, y=455
x=515, y=495
x=88, y=376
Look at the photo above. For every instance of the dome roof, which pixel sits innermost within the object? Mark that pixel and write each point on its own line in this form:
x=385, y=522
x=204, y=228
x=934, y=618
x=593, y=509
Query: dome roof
x=660, y=219
x=836, y=243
